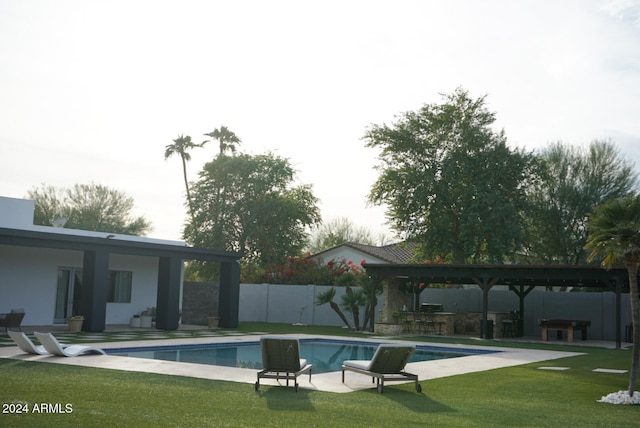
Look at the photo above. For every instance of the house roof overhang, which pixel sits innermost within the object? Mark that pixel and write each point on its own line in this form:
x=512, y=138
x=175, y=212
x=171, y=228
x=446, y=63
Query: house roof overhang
x=111, y=244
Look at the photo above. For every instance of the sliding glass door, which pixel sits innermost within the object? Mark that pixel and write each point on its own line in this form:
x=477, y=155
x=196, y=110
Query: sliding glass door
x=68, y=293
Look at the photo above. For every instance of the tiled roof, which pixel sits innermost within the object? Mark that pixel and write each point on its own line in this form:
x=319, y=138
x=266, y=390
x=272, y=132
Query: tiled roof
x=400, y=252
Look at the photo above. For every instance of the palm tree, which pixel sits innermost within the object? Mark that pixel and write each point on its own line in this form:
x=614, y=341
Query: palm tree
x=352, y=300
x=614, y=235
x=181, y=146
x=327, y=297
x=227, y=139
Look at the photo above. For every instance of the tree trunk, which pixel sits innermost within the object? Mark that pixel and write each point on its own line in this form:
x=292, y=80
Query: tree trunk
x=355, y=311
x=369, y=314
x=337, y=310
x=635, y=316
x=186, y=185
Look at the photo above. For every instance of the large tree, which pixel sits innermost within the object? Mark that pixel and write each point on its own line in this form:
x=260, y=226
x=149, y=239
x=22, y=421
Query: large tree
x=181, y=146
x=574, y=180
x=450, y=181
x=614, y=236
x=87, y=207
x=249, y=204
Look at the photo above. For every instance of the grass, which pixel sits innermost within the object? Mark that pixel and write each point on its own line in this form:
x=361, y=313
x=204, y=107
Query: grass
x=515, y=396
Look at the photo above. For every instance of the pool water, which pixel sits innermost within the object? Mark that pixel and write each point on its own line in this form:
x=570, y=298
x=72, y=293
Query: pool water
x=325, y=355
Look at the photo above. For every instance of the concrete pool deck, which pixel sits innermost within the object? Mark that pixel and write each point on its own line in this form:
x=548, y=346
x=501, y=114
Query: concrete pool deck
x=330, y=382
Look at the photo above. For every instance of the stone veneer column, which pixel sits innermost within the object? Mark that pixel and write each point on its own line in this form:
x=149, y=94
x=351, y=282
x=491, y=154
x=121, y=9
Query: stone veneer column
x=393, y=299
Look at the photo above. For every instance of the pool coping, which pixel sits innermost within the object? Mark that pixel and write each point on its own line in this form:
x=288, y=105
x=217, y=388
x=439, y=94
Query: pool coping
x=330, y=382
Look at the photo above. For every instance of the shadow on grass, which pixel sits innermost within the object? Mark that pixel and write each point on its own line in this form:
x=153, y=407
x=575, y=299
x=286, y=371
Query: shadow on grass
x=414, y=401
x=286, y=398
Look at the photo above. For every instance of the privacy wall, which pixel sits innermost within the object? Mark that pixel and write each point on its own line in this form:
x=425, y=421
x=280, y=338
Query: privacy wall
x=296, y=304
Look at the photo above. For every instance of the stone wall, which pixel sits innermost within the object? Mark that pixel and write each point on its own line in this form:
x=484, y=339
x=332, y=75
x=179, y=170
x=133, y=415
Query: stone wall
x=199, y=301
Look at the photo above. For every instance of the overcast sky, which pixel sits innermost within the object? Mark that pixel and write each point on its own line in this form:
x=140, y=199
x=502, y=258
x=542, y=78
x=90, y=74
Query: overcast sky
x=93, y=91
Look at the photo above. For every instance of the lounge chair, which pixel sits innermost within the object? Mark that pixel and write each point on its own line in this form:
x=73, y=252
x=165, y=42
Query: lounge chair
x=281, y=360
x=387, y=364
x=54, y=347
x=12, y=320
x=25, y=344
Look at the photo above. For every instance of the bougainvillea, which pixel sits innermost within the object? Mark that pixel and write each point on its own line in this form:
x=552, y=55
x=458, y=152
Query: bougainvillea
x=303, y=271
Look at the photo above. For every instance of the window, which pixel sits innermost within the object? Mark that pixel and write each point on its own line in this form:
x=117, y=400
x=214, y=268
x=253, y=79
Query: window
x=119, y=286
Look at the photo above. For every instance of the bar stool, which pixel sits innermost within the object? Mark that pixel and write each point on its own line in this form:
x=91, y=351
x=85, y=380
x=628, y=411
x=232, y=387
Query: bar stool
x=407, y=324
x=509, y=325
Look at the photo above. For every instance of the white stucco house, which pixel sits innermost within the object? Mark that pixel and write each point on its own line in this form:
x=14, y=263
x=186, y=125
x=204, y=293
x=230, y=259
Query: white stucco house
x=52, y=273
x=398, y=253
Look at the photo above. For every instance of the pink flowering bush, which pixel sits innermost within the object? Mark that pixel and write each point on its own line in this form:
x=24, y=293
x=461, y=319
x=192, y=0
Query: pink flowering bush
x=303, y=271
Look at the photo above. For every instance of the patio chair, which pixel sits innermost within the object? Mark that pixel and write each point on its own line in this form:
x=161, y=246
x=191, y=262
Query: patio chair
x=387, y=364
x=54, y=347
x=26, y=345
x=12, y=320
x=281, y=360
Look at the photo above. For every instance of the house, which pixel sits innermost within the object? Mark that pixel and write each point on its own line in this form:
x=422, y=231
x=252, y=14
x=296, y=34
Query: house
x=53, y=273
x=398, y=253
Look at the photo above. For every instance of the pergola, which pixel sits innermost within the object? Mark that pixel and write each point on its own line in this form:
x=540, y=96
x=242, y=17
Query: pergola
x=521, y=279
x=96, y=251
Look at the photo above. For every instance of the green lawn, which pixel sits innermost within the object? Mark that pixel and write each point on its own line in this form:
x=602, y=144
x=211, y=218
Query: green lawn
x=516, y=396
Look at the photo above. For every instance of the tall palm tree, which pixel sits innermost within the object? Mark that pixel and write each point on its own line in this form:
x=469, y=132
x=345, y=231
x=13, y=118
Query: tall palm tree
x=227, y=139
x=181, y=146
x=614, y=235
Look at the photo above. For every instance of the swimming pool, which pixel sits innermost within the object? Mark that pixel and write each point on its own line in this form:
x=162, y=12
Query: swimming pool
x=326, y=355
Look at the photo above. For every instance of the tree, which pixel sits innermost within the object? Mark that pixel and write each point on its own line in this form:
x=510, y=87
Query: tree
x=338, y=231
x=450, y=182
x=49, y=204
x=88, y=207
x=226, y=139
x=181, y=146
x=248, y=204
x=614, y=235
x=327, y=296
x=573, y=182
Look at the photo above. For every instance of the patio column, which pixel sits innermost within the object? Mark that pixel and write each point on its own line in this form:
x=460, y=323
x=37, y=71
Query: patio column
x=228, y=305
x=485, y=284
x=94, y=290
x=168, y=299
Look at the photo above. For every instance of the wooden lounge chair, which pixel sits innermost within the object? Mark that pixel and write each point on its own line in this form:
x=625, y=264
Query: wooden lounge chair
x=281, y=360
x=54, y=347
x=26, y=345
x=12, y=320
x=387, y=364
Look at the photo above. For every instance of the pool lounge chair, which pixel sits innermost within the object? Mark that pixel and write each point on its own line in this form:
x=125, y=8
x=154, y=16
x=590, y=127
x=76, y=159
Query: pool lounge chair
x=26, y=345
x=281, y=360
x=12, y=320
x=387, y=364
x=54, y=347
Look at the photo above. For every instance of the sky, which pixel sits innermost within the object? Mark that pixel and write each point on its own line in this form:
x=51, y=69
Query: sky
x=93, y=91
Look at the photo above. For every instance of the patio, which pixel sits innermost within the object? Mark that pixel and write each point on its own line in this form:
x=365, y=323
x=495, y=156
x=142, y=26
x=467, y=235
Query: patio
x=125, y=336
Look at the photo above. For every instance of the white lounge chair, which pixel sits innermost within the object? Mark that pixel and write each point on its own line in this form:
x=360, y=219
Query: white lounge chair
x=54, y=347
x=25, y=344
x=281, y=360
x=387, y=364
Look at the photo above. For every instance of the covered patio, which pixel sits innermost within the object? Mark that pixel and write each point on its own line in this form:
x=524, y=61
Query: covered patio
x=95, y=272
x=520, y=279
